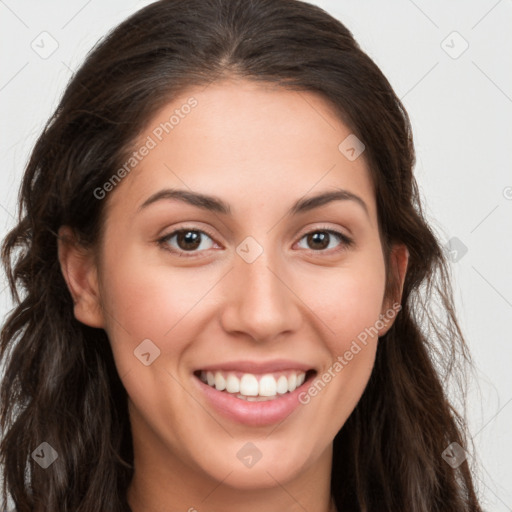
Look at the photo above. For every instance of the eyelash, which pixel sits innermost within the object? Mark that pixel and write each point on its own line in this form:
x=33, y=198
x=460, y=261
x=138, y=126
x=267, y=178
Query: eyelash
x=163, y=241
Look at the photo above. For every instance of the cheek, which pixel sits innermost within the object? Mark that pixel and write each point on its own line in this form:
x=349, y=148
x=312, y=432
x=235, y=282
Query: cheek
x=349, y=308
x=152, y=302
x=348, y=300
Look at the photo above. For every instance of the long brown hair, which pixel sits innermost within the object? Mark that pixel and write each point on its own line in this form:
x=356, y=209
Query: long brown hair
x=61, y=385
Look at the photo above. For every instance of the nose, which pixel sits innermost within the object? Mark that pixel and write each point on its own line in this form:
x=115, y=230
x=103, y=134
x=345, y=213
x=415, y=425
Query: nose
x=260, y=302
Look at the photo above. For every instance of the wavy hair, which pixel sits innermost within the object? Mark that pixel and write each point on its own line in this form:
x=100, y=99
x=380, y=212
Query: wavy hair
x=60, y=383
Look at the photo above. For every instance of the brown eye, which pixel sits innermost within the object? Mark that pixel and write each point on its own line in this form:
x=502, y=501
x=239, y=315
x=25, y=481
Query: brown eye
x=318, y=240
x=186, y=240
x=322, y=239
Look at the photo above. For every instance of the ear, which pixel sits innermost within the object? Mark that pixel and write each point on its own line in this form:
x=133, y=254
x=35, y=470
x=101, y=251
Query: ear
x=80, y=272
x=399, y=259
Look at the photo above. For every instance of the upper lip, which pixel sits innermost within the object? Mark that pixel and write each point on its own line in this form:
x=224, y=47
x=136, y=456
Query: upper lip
x=246, y=366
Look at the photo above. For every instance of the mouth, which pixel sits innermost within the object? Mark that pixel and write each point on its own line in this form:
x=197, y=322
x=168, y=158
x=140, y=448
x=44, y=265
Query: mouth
x=256, y=387
x=254, y=393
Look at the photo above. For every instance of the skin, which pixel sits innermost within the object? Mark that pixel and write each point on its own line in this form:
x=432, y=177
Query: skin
x=259, y=148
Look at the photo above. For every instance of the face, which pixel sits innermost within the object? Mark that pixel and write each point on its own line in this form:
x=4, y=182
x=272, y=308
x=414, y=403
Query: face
x=241, y=288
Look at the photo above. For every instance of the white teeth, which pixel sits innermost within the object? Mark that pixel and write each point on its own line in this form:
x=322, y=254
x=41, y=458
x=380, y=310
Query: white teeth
x=268, y=386
x=282, y=385
x=249, y=387
x=292, y=382
x=220, y=381
x=210, y=378
x=232, y=384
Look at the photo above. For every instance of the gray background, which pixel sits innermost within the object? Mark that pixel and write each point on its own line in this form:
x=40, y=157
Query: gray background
x=460, y=104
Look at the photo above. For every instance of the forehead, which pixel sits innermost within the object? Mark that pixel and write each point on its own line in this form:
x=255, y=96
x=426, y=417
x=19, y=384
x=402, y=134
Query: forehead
x=243, y=140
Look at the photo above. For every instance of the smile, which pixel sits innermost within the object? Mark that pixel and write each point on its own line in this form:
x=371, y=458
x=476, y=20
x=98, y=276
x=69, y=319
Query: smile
x=254, y=399
x=254, y=387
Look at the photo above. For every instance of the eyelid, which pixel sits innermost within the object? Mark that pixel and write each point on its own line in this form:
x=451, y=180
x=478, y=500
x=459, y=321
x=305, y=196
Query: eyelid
x=325, y=227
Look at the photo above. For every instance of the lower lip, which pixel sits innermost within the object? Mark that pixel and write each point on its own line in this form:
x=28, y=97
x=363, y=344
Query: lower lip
x=255, y=414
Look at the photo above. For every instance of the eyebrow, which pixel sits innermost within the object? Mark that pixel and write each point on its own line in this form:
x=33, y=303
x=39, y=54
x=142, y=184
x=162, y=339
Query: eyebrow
x=217, y=205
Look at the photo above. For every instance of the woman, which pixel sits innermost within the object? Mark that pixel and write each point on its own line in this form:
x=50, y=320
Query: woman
x=231, y=294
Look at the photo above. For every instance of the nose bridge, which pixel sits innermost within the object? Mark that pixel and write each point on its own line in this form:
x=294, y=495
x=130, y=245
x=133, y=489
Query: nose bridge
x=260, y=302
